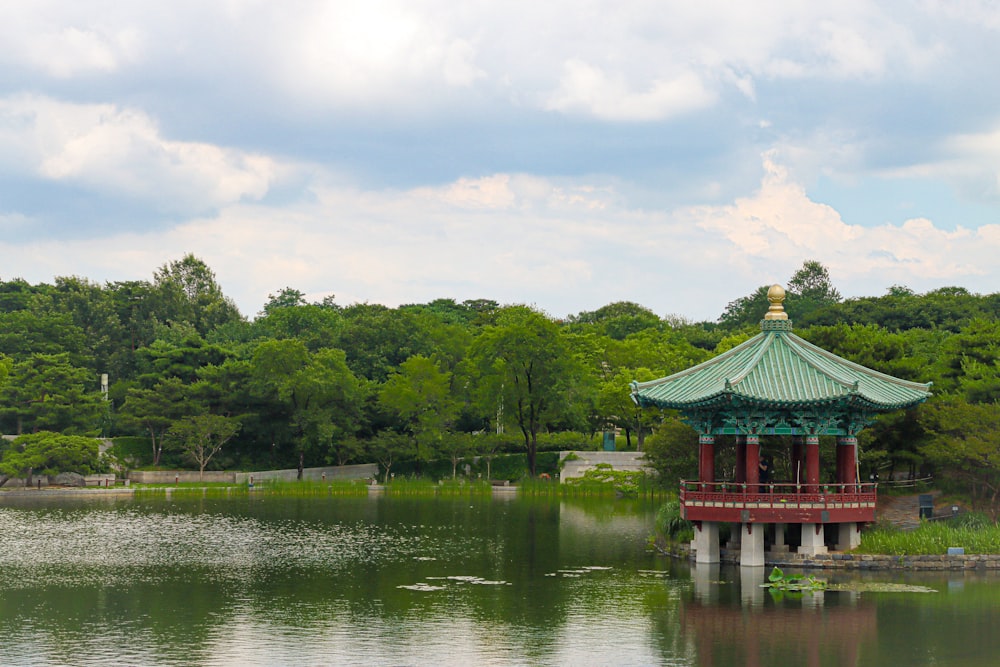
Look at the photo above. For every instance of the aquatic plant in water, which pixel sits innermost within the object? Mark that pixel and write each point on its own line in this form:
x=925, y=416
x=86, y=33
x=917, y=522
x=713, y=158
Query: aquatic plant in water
x=780, y=581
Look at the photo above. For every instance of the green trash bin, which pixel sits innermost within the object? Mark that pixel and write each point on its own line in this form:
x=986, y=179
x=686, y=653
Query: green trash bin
x=609, y=441
x=926, y=502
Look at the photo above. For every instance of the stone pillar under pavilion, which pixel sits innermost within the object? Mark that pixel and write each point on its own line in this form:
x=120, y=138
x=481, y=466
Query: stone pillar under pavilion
x=777, y=384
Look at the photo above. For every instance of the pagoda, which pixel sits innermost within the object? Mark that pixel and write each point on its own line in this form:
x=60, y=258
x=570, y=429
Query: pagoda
x=776, y=384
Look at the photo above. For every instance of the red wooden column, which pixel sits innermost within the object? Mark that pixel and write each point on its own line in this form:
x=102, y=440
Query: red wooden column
x=741, y=459
x=812, y=463
x=706, y=460
x=798, y=471
x=753, y=463
x=847, y=447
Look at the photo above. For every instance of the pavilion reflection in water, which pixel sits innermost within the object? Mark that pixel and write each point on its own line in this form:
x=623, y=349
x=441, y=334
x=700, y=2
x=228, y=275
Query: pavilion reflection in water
x=818, y=628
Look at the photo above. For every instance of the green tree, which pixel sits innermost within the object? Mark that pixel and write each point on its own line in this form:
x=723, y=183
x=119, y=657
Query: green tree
x=47, y=393
x=455, y=446
x=27, y=332
x=975, y=351
x=321, y=397
x=156, y=409
x=48, y=453
x=964, y=441
x=526, y=372
x=286, y=298
x=615, y=404
x=746, y=311
x=187, y=291
x=136, y=311
x=180, y=358
x=672, y=451
x=812, y=282
x=378, y=339
x=91, y=309
x=388, y=447
x=420, y=395
x=202, y=436
x=346, y=449
x=316, y=326
x=808, y=290
x=871, y=346
x=617, y=320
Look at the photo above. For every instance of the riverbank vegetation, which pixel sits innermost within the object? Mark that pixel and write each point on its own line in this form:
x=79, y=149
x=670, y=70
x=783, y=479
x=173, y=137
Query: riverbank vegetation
x=671, y=527
x=448, y=384
x=976, y=533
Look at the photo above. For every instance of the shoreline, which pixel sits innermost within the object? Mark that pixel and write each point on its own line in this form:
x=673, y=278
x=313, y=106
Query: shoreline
x=844, y=560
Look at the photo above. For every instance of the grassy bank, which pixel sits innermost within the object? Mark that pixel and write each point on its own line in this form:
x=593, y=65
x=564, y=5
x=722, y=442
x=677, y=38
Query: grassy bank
x=430, y=488
x=974, y=532
x=299, y=489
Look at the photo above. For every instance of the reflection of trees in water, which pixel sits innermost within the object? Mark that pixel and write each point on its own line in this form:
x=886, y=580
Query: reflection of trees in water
x=154, y=623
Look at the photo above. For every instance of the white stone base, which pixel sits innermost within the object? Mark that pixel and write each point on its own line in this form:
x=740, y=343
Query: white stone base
x=779, y=545
x=849, y=537
x=706, y=543
x=812, y=543
x=751, y=545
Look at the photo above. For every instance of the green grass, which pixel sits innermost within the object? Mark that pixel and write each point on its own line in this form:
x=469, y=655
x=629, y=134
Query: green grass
x=446, y=487
x=600, y=482
x=294, y=489
x=190, y=491
x=974, y=532
x=310, y=488
x=185, y=485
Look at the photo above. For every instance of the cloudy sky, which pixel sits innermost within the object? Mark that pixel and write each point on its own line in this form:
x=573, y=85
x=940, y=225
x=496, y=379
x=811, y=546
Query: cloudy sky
x=562, y=154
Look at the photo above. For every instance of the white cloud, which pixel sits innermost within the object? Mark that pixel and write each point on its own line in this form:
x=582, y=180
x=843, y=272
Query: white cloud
x=779, y=220
x=121, y=151
x=779, y=226
x=566, y=245
x=465, y=82
x=639, y=60
x=970, y=163
x=588, y=89
x=979, y=13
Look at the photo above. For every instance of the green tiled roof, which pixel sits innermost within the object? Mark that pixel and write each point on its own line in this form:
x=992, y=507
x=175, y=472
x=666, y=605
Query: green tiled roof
x=777, y=369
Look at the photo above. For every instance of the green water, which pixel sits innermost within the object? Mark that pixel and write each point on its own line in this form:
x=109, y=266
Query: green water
x=317, y=581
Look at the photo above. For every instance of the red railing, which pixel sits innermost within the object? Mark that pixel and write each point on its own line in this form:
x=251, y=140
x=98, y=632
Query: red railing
x=778, y=502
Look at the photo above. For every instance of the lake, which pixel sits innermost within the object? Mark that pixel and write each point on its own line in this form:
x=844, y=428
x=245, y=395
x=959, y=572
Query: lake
x=403, y=581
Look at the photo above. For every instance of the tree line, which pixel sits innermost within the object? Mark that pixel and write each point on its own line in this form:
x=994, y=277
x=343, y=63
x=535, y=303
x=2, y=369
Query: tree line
x=303, y=384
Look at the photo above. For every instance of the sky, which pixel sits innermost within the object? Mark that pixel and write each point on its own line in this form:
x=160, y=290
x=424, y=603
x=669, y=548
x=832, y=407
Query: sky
x=560, y=154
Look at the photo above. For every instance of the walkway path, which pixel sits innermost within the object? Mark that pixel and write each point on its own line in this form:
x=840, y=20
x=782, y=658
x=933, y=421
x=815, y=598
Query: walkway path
x=902, y=511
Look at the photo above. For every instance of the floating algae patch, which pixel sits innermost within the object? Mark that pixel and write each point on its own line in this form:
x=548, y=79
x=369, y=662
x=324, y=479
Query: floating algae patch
x=878, y=587
x=422, y=587
x=800, y=583
x=578, y=571
x=456, y=579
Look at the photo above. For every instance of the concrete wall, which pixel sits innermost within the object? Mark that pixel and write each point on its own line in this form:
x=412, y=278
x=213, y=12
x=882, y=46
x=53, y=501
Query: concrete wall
x=170, y=476
x=359, y=471
x=362, y=471
x=584, y=461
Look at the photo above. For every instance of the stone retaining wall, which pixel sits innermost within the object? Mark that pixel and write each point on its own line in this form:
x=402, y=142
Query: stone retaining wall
x=848, y=561
x=358, y=471
x=361, y=471
x=187, y=476
x=854, y=561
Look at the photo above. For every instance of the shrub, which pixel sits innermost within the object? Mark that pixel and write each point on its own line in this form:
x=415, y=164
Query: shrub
x=47, y=453
x=671, y=525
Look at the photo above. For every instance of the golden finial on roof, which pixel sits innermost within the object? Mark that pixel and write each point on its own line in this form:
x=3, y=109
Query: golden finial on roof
x=776, y=297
